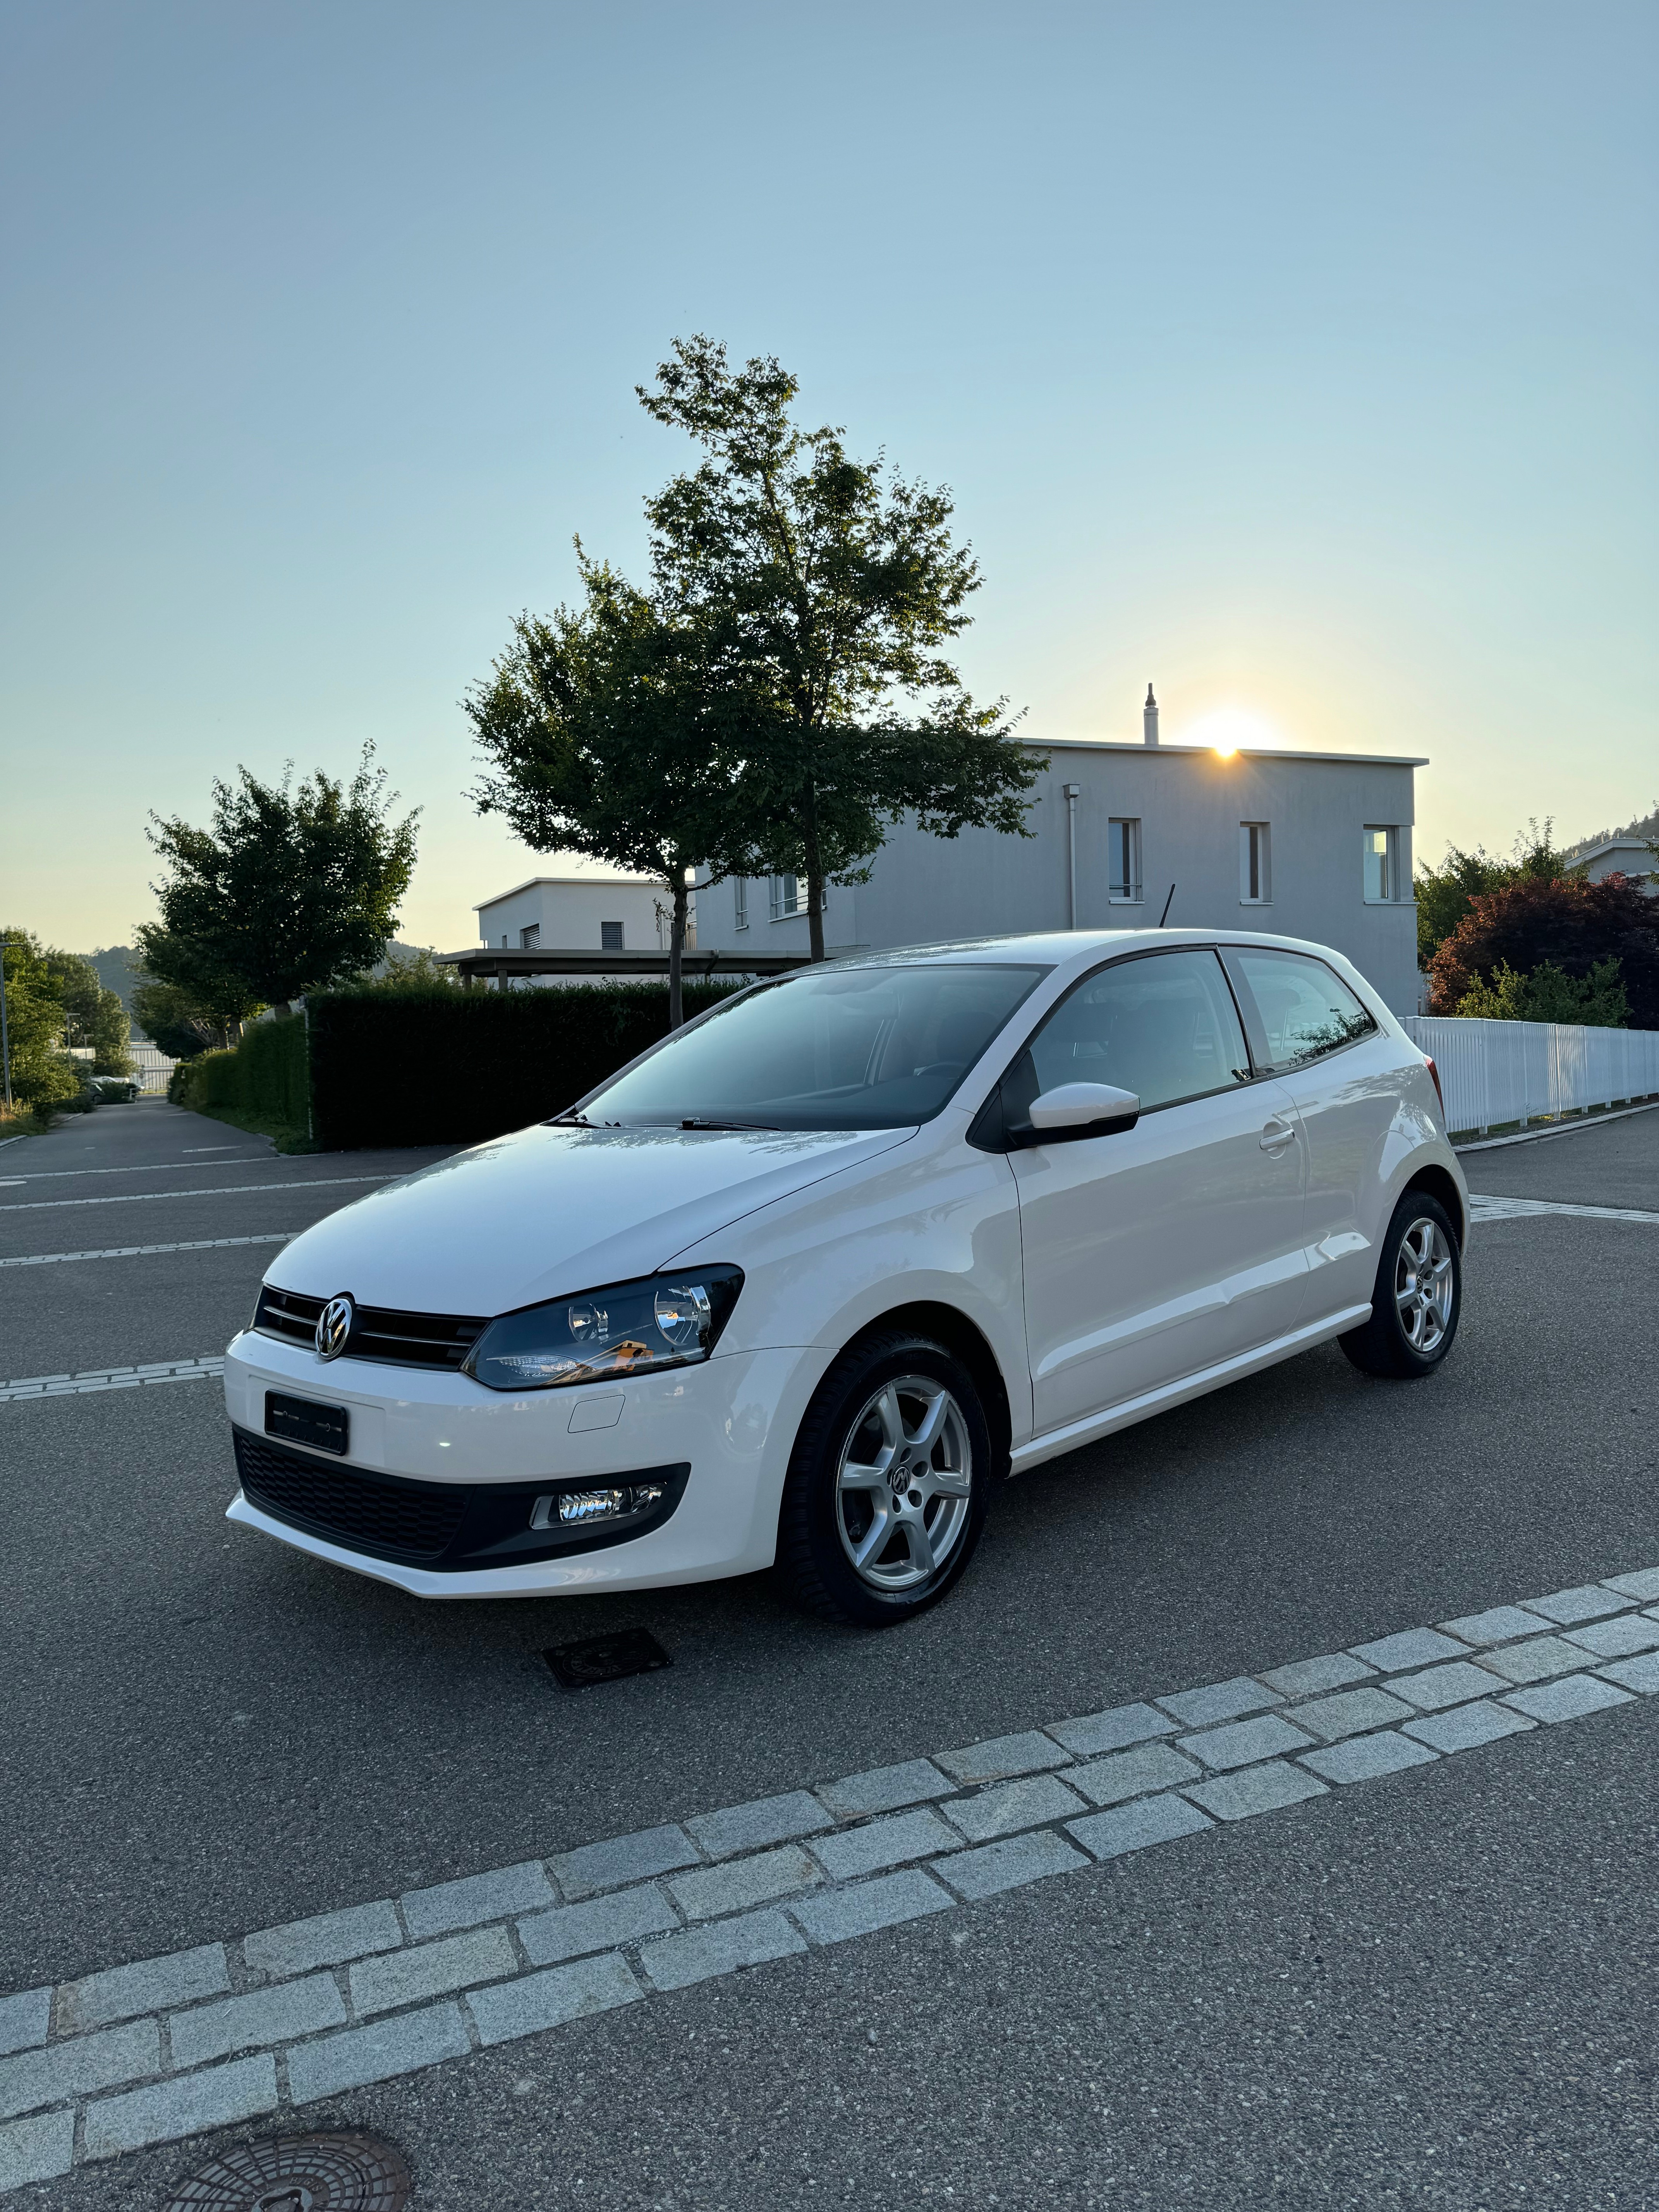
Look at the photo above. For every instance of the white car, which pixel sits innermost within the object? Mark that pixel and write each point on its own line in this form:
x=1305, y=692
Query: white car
x=804, y=1281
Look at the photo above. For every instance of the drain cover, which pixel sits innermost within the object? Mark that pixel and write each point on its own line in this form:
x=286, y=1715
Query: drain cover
x=606, y=1658
x=300, y=2173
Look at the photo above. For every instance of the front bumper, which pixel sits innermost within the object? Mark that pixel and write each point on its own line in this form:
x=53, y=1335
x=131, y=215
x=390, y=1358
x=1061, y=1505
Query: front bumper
x=731, y=1422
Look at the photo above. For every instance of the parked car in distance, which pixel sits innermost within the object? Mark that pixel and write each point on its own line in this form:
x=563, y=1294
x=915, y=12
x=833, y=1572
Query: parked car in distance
x=803, y=1282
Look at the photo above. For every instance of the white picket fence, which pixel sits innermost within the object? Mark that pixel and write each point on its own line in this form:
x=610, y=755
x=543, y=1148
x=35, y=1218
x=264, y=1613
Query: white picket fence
x=1494, y=1072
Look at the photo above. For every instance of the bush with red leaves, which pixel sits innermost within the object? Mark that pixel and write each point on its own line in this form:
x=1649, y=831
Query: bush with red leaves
x=1570, y=922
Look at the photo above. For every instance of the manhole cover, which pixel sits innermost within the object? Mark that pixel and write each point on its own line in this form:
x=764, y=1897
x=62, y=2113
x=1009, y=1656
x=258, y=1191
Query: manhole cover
x=300, y=2173
x=606, y=1658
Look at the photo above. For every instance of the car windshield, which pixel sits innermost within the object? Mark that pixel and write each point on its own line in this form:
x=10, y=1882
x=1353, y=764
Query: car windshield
x=837, y=1048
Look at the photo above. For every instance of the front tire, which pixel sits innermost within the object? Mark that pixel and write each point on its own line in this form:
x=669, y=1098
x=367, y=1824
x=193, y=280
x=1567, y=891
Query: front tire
x=886, y=1495
x=1418, y=1296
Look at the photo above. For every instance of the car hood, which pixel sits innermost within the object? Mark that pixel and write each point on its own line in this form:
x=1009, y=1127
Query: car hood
x=549, y=1211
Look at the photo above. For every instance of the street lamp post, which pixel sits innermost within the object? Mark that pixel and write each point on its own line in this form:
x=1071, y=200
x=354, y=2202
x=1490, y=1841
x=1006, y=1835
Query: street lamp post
x=5, y=1043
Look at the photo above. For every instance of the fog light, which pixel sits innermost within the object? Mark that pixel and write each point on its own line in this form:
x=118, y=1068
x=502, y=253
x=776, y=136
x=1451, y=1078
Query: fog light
x=575, y=1509
x=577, y=1505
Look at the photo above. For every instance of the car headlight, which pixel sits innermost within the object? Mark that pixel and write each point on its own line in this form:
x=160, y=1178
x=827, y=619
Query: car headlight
x=628, y=1328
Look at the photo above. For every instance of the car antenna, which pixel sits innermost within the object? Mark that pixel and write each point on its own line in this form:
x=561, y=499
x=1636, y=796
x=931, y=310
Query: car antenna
x=1168, y=902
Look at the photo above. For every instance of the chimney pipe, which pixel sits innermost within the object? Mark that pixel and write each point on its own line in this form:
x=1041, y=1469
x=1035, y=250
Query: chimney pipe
x=1149, y=718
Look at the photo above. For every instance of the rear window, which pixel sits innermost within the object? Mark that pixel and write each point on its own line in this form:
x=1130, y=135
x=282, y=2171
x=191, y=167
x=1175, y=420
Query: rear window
x=1305, y=1009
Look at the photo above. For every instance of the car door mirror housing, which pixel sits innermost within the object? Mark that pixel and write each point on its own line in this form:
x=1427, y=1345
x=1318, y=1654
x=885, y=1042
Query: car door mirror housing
x=1079, y=1109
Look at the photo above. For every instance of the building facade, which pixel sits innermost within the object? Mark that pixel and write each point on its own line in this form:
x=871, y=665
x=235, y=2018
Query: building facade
x=573, y=913
x=1311, y=845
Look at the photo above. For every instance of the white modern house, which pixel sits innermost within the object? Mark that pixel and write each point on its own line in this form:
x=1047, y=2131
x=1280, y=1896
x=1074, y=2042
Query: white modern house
x=1305, y=844
x=1622, y=856
x=571, y=914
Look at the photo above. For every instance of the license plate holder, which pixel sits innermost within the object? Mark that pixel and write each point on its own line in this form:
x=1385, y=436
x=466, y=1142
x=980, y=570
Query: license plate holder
x=304, y=1421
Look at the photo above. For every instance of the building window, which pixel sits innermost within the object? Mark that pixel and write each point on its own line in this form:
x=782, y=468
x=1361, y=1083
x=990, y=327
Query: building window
x=787, y=898
x=740, y=893
x=530, y=940
x=1256, y=885
x=611, y=937
x=1124, y=853
x=1381, y=865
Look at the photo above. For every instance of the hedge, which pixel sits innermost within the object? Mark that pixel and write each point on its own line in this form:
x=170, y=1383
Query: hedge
x=456, y=1066
x=263, y=1078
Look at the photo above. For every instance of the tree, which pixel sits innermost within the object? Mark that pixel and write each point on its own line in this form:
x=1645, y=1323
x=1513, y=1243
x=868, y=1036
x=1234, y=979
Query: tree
x=1596, y=1000
x=608, y=733
x=93, y=1017
x=1445, y=893
x=823, y=591
x=42, y=1074
x=290, y=888
x=1570, y=923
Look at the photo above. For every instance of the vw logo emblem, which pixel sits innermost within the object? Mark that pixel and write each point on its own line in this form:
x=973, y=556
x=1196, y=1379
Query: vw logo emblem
x=333, y=1328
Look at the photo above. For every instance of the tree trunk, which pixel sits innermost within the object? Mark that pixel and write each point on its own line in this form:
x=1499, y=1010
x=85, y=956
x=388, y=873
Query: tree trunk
x=676, y=948
x=814, y=884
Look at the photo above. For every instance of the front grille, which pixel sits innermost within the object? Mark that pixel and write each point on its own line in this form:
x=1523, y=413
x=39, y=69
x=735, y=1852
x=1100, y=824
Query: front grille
x=380, y=1333
x=413, y=1520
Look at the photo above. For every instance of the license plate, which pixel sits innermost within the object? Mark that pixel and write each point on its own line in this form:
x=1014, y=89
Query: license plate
x=302, y=1421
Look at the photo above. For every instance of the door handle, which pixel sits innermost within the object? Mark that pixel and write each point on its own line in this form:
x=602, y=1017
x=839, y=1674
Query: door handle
x=1277, y=1134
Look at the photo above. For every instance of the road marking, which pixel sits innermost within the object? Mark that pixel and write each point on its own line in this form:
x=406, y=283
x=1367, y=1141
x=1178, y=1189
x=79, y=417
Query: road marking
x=113, y=1378
x=286, y=2016
x=144, y=1251
x=154, y=1167
x=225, y=1190
x=1483, y=1208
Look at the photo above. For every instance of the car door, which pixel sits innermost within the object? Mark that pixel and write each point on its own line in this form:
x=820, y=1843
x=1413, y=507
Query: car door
x=1343, y=1072
x=1154, y=1252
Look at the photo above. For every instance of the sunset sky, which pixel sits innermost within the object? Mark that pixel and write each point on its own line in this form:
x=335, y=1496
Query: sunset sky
x=1299, y=357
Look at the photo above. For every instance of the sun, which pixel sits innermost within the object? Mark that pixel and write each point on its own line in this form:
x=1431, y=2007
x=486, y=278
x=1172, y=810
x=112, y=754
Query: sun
x=1228, y=729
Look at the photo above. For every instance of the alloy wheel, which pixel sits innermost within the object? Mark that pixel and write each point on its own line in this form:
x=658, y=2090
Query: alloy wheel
x=904, y=1483
x=1423, y=1285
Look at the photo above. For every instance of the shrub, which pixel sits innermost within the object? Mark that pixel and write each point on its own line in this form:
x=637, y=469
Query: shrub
x=262, y=1080
x=1570, y=924
x=445, y=1066
x=1594, y=1001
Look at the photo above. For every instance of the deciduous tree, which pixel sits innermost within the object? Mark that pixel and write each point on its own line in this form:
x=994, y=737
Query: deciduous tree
x=1569, y=922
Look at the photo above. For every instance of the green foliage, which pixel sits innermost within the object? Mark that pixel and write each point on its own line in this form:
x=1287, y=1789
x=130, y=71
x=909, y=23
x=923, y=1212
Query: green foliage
x=44, y=1079
x=289, y=889
x=403, y=1069
x=263, y=1083
x=606, y=734
x=824, y=592
x=413, y=974
x=1445, y=893
x=1581, y=929
x=94, y=1018
x=1596, y=1000
x=188, y=992
x=177, y=1022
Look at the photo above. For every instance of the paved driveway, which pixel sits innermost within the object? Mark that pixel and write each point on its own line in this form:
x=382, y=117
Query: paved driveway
x=1430, y=1988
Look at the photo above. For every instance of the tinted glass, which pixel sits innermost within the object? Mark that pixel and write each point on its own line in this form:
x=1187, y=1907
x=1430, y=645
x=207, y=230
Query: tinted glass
x=1305, y=1009
x=845, y=1048
x=1166, y=1028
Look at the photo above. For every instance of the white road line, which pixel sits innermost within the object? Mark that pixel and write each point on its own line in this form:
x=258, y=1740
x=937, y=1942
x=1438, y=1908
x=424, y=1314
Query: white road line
x=152, y=1167
x=113, y=1378
x=466, y=1965
x=225, y=1190
x=1483, y=1208
x=144, y=1251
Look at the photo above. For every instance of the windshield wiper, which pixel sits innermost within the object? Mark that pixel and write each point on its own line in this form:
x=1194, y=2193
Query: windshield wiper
x=695, y=1122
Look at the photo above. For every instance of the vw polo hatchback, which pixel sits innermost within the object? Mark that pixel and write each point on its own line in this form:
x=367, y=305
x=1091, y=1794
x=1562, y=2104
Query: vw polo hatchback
x=801, y=1285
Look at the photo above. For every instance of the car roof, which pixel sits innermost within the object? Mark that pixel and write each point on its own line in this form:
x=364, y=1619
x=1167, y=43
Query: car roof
x=1062, y=947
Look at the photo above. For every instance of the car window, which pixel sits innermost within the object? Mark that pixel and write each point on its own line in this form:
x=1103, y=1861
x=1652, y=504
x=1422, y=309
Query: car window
x=875, y=1047
x=1306, y=1009
x=1166, y=1028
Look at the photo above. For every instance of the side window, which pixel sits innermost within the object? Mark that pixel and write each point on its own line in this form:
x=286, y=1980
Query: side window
x=1305, y=1009
x=1164, y=1027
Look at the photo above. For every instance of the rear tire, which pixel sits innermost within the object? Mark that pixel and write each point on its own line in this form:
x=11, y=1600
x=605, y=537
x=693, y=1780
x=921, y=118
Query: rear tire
x=886, y=1495
x=1417, y=1298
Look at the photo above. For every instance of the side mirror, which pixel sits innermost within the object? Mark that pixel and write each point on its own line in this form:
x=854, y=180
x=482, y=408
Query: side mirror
x=1081, y=1110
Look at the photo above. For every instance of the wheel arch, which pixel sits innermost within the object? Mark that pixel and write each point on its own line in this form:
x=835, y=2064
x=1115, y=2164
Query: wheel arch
x=949, y=1325
x=1439, y=1182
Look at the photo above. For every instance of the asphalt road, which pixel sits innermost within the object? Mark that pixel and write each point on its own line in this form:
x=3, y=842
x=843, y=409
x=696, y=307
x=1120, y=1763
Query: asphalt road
x=1434, y=1991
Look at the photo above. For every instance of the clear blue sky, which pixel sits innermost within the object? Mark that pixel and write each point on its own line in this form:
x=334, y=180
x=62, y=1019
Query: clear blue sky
x=1298, y=356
